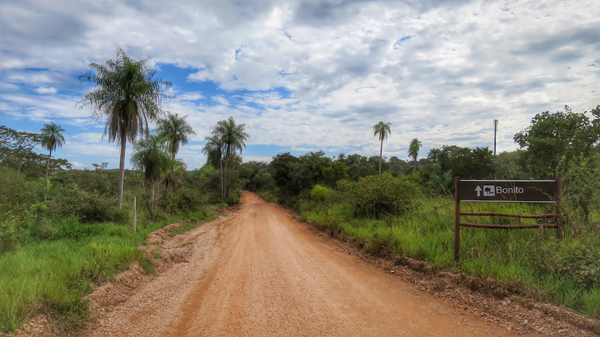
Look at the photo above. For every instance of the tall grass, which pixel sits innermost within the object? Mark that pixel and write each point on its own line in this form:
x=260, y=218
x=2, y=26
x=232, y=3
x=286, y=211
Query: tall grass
x=54, y=276
x=525, y=261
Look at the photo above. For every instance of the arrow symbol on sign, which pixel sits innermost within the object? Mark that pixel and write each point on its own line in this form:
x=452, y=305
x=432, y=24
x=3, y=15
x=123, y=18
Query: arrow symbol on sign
x=478, y=190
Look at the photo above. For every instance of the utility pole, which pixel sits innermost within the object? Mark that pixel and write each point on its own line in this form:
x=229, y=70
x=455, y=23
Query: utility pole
x=495, y=130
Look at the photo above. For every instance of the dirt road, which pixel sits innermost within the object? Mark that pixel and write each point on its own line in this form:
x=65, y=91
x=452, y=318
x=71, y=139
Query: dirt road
x=257, y=272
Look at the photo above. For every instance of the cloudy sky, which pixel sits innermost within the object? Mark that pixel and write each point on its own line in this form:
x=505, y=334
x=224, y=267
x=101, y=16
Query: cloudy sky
x=307, y=75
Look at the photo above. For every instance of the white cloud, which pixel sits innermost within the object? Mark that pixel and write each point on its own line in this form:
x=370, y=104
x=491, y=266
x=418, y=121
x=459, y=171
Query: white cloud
x=45, y=90
x=466, y=64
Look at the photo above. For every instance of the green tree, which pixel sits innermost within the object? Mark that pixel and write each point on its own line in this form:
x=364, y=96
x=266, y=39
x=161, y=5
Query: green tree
x=51, y=139
x=382, y=130
x=397, y=165
x=464, y=162
x=151, y=156
x=234, y=139
x=359, y=166
x=510, y=165
x=552, y=138
x=214, y=148
x=127, y=95
x=16, y=147
x=175, y=130
x=413, y=150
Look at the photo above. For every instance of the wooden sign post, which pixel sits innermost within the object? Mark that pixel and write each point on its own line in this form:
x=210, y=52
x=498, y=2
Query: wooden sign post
x=526, y=191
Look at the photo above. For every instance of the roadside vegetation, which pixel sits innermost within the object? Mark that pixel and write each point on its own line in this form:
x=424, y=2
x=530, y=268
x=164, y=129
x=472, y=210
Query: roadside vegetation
x=408, y=210
x=64, y=231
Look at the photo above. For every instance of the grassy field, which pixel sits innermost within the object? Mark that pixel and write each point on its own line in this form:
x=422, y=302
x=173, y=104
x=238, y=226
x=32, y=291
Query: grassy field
x=53, y=276
x=526, y=261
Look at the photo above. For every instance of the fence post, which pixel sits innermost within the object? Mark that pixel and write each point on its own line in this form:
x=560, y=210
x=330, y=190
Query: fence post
x=134, y=214
x=456, y=219
x=559, y=216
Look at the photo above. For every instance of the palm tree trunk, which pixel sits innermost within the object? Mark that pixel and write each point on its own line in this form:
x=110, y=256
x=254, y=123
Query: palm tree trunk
x=225, y=190
x=380, y=155
x=47, y=167
x=152, y=198
x=152, y=193
x=221, y=176
x=122, y=170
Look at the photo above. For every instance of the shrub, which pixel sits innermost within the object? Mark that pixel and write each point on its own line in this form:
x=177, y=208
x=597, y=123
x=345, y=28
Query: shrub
x=320, y=193
x=376, y=196
x=9, y=238
x=87, y=206
x=14, y=192
x=234, y=198
x=578, y=259
x=183, y=199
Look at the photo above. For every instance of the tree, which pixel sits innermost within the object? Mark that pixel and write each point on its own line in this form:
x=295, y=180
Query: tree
x=552, y=138
x=16, y=147
x=175, y=130
x=151, y=156
x=51, y=139
x=464, y=162
x=234, y=139
x=397, y=166
x=214, y=148
x=413, y=150
x=382, y=130
x=127, y=95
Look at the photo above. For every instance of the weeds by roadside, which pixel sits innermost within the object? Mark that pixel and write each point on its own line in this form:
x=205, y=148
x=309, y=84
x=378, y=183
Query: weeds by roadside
x=526, y=262
x=53, y=276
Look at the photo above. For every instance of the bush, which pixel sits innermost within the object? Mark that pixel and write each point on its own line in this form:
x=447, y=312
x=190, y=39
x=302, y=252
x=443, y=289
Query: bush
x=87, y=206
x=234, y=198
x=578, y=259
x=320, y=193
x=184, y=199
x=14, y=192
x=9, y=238
x=376, y=196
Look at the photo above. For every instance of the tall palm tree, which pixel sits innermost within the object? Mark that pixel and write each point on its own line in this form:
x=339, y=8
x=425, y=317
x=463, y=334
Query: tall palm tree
x=175, y=130
x=214, y=149
x=413, y=150
x=151, y=156
x=382, y=130
x=51, y=139
x=127, y=95
x=234, y=139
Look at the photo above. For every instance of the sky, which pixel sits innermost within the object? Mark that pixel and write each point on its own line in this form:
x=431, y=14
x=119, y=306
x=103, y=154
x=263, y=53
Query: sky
x=307, y=75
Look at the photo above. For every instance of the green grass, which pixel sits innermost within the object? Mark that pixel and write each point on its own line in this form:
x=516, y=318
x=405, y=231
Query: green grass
x=195, y=219
x=54, y=276
x=524, y=261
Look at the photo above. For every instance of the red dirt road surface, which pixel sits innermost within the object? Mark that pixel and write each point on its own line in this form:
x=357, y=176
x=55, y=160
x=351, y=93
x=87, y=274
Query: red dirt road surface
x=258, y=272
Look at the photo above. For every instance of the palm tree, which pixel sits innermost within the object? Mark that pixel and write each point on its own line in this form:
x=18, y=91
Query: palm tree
x=214, y=149
x=175, y=130
x=151, y=156
x=233, y=137
x=173, y=173
x=382, y=130
x=126, y=95
x=51, y=139
x=413, y=150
